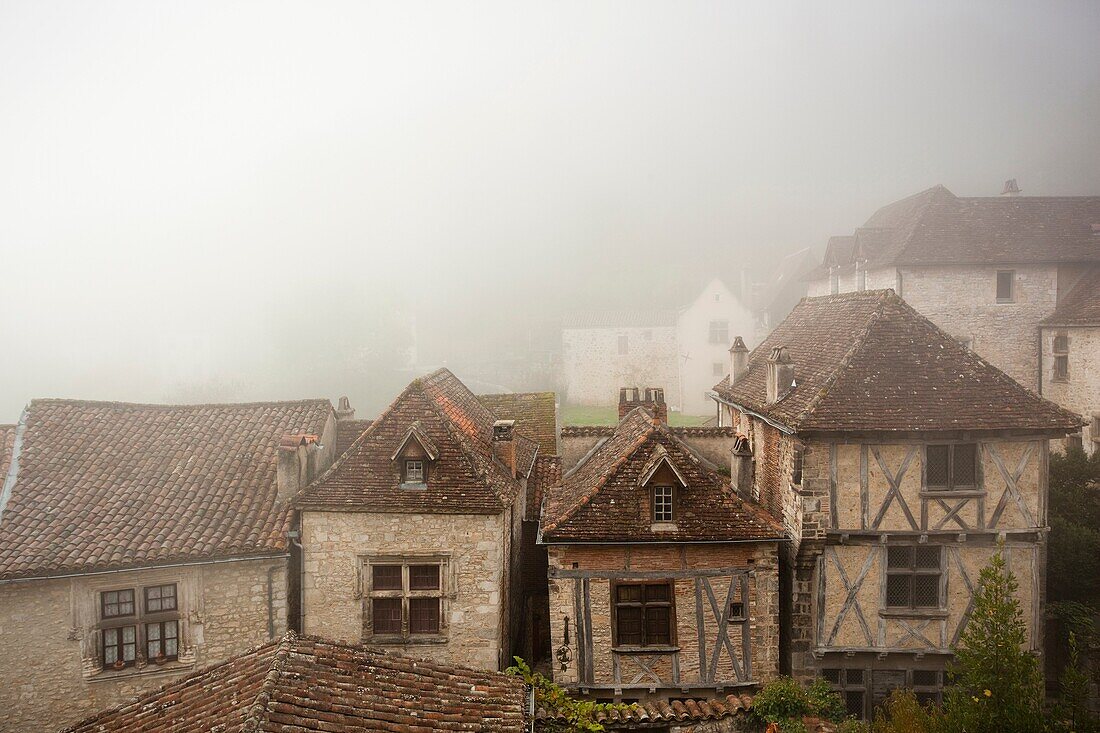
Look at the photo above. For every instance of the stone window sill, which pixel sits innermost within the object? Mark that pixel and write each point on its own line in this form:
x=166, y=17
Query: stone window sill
x=111, y=675
x=951, y=494
x=912, y=613
x=645, y=649
x=402, y=641
x=663, y=527
x=413, y=485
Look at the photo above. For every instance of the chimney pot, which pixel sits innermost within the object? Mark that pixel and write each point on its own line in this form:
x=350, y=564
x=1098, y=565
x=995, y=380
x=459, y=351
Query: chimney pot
x=651, y=398
x=780, y=374
x=504, y=445
x=1011, y=188
x=344, y=410
x=739, y=359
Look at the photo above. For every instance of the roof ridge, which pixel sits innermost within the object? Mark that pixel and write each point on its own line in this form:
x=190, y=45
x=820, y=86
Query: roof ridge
x=608, y=474
x=174, y=406
x=858, y=343
x=257, y=712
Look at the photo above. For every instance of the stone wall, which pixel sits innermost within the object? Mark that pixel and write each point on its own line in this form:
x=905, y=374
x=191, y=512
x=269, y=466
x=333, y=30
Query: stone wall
x=1081, y=392
x=49, y=655
x=708, y=362
x=593, y=370
x=760, y=559
x=475, y=546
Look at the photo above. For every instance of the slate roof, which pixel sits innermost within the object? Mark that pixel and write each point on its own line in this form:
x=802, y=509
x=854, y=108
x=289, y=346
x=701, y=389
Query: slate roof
x=535, y=413
x=868, y=361
x=600, y=498
x=631, y=318
x=106, y=485
x=1081, y=305
x=304, y=683
x=937, y=227
x=465, y=479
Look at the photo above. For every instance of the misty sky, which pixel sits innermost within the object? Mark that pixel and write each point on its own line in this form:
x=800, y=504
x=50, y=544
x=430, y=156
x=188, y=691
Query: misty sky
x=243, y=194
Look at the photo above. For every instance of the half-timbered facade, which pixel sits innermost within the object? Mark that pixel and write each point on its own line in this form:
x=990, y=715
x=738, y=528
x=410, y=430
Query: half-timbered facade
x=663, y=581
x=899, y=461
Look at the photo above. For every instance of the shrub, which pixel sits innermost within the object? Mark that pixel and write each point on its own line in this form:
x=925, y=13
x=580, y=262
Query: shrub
x=785, y=702
x=903, y=713
x=572, y=714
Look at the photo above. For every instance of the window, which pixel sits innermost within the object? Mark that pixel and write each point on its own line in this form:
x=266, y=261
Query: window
x=132, y=634
x=1061, y=356
x=1006, y=286
x=406, y=598
x=643, y=614
x=718, y=369
x=662, y=504
x=951, y=467
x=737, y=611
x=414, y=472
x=624, y=344
x=852, y=686
x=913, y=576
x=719, y=332
x=927, y=685
x=796, y=468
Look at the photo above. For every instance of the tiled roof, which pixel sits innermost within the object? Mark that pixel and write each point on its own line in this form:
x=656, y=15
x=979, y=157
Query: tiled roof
x=7, y=444
x=535, y=413
x=868, y=361
x=347, y=431
x=1081, y=306
x=632, y=318
x=304, y=683
x=662, y=714
x=937, y=227
x=465, y=479
x=683, y=431
x=599, y=499
x=547, y=473
x=104, y=485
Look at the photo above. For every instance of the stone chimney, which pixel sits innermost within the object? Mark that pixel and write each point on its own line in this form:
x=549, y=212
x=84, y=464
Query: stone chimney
x=504, y=444
x=741, y=466
x=344, y=410
x=739, y=359
x=651, y=398
x=296, y=461
x=780, y=374
x=1011, y=188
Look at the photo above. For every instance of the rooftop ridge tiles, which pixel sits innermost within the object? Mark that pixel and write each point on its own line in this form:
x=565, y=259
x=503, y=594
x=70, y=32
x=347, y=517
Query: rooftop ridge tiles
x=257, y=711
x=175, y=406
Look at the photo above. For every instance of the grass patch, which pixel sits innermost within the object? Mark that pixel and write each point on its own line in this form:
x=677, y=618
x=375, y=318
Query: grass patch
x=603, y=415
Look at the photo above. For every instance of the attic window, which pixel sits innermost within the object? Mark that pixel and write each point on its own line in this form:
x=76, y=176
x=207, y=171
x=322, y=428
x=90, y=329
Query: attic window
x=414, y=472
x=662, y=504
x=1006, y=286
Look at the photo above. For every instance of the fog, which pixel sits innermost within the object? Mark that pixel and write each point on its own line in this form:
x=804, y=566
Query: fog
x=244, y=201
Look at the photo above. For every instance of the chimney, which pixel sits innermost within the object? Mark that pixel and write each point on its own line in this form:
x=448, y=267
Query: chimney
x=739, y=359
x=652, y=398
x=504, y=445
x=780, y=374
x=1011, y=188
x=344, y=410
x=293, y=468
x=741, y=466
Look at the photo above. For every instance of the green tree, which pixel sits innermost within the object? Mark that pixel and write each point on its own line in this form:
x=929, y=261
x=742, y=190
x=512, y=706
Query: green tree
x=997, y=684
x=1073, y=569
x=1072, y=711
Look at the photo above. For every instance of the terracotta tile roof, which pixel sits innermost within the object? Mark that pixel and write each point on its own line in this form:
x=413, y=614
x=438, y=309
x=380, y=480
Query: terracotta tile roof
x=868, y=361
x=547, y=473
x=684, y=431
x=631, y=318
x=662, y=714
x=535, y=413
x=937, y=227
x=465, y=479
x=599, y=500
x=1081, y=306
x=7, y=444
x=347, y=431
x=103, y=485
x=310, y=684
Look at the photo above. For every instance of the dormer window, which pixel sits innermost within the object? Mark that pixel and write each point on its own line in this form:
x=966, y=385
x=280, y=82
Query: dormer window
x=414, y=472
x=662, y=504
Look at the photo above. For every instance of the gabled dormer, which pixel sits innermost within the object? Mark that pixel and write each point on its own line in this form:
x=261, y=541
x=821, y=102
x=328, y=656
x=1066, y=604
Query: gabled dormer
x=414, y=457
x=662, y=481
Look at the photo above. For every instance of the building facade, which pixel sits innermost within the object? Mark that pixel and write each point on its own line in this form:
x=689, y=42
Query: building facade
x=1070, y=358
x=990, y=271
x=140, y=542
x=898, y=461
x=684, y=351
x=663, y=582
x=412, y=540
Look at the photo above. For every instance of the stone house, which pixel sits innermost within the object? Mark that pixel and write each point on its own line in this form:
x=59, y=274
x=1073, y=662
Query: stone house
x=987, y=270
x=1070, y=340
x=412, y=540
x=307, y=683
x=897, y=460
x=683, y=350
x=663, y=581
x=138, y=542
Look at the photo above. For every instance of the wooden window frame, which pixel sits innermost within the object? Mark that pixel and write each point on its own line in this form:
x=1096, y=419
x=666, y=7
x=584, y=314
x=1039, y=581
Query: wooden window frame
x=175, y=598
x=843, y=686
x=671, y=505
x=951, y=485
x=1011, y=298
x=718, y=332
x=141, y=618
x=670, y=605
x=160, y=642
x=103, y=615
x=120, y=646
x=911, y=572
x=406, y=594
x=405, y=471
